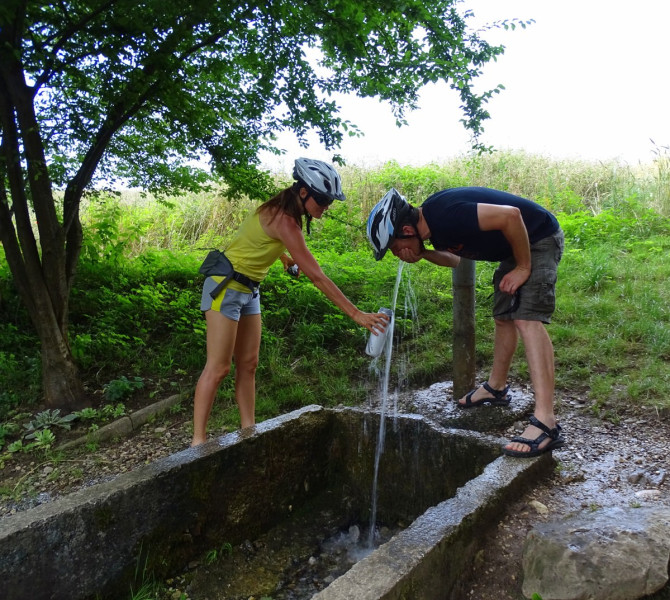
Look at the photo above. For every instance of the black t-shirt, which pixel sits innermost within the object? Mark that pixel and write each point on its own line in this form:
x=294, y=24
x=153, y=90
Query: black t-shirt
x=451, y=216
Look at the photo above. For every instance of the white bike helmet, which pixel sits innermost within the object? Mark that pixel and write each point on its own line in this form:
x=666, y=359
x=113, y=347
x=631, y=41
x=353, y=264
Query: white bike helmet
x=389, y=212
x=320, y=177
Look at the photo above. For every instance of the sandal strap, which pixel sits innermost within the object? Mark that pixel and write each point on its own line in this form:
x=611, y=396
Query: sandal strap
x=534, y=444
x=497, y=394
x=552, y=433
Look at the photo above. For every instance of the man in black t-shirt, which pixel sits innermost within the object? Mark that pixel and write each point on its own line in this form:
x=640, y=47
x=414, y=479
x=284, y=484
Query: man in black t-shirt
x=526, y=239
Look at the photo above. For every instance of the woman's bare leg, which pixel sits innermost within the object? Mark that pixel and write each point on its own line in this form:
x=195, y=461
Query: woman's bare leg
x=221, y=336
x=246, y=352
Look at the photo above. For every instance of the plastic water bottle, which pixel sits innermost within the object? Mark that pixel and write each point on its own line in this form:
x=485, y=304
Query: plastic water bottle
x=376, y=343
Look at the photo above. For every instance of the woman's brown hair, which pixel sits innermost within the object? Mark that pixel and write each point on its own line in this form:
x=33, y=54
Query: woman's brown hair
x=288, y=201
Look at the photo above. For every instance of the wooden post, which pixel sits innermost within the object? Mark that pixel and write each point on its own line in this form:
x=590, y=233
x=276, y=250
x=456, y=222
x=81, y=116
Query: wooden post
x=463, y=343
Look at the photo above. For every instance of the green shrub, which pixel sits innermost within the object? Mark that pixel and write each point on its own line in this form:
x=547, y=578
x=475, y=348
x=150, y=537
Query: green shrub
x=136, y=328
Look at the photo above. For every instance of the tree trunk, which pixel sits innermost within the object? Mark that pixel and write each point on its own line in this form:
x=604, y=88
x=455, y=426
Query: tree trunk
x=60, y=376
x=62, y=386
x=40, y=273
x=48, y=310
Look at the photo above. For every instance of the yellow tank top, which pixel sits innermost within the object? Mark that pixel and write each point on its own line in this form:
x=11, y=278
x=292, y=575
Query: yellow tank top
x=253, y=251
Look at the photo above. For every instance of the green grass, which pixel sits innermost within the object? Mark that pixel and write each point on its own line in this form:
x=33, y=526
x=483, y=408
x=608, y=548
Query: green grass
x=135, y=305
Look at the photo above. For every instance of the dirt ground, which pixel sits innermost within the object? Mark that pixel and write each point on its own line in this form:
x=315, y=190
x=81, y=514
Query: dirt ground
x=603, y=464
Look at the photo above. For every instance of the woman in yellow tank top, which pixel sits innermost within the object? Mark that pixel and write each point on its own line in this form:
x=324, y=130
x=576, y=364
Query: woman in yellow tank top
x=233, y=316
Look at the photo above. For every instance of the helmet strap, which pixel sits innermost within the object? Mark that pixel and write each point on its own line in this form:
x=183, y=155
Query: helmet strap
x=308, y=216
x=297, y=185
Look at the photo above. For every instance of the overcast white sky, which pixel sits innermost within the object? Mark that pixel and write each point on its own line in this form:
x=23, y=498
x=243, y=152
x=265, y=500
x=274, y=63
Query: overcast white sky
x=589, y=79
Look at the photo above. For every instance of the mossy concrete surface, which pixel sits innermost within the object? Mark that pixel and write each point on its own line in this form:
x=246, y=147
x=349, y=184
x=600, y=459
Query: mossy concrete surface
x=103, y=540
x=427, y=560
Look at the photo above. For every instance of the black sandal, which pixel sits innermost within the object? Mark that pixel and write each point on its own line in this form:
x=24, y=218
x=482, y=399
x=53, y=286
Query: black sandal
x=554, y=434
x=500, y=397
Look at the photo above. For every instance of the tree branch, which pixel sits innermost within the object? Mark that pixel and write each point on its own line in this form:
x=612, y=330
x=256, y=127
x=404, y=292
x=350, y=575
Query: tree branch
x=64, y=36
x=21, y=256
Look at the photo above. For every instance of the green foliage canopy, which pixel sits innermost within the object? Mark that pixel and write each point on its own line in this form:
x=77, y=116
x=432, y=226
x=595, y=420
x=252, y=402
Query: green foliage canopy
x=95, y=91
x=137, y=91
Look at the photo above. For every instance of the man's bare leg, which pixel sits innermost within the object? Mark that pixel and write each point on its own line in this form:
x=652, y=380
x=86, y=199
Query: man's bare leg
x=504, y=346
x=540, y=357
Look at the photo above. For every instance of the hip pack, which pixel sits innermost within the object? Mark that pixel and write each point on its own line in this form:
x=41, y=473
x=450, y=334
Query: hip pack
x=216, y=263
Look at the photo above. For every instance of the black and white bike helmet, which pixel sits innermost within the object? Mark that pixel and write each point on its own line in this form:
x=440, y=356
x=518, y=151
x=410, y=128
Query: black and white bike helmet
x=391, y=211
x=320, y=177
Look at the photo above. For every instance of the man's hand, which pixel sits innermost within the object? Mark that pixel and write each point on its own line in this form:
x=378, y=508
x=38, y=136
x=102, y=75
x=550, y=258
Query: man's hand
x=408, y=255
x=513, y=280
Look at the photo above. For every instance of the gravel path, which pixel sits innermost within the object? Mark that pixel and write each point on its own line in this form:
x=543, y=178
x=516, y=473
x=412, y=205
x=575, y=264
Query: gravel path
x=29, y=480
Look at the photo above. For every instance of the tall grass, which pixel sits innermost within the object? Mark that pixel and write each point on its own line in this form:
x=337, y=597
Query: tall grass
x=563, y=186
x=135, y=303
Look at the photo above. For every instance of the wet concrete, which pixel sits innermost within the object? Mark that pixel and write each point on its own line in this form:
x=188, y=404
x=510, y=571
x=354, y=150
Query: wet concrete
x=437, y=404
x=447, y=485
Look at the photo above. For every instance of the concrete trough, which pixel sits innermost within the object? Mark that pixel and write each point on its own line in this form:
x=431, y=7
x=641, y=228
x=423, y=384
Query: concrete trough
x=450, y=486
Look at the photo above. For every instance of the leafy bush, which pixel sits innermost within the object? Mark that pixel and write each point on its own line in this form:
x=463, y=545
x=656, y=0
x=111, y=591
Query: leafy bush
x=617, y=227
x=122, y=388
x=7, y=430
x=106, y=413
x=136, y=324
x=47, y=419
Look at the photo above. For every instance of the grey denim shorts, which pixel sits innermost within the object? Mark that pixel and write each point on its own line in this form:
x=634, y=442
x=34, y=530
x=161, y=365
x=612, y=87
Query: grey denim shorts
x=230, y=303
x=535, y=300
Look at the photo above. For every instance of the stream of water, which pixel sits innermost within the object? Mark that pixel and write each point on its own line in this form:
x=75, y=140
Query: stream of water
x=386, y=375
